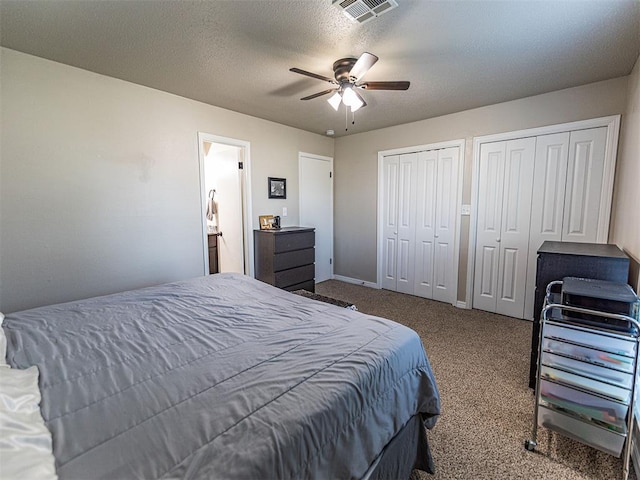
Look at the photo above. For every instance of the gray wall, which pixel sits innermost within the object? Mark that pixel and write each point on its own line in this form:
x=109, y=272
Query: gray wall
x=356, y=160
x=99, y=181
x=625, y=227
x=99, y=187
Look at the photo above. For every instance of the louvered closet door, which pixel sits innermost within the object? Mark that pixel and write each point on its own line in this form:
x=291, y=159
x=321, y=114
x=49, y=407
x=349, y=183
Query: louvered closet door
x=514, y=232
x=584, y=185
x=390, y=221
x=445, y=219
x=489, y=216
x=425, y=222
x=547, y=205
x=405, y=260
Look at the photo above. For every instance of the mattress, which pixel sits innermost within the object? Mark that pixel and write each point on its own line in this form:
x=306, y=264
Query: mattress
x=220, y=377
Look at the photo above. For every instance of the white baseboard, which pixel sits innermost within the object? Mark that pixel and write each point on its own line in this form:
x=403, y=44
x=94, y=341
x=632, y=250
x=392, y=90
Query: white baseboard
x=356, y=281
x=461, y=304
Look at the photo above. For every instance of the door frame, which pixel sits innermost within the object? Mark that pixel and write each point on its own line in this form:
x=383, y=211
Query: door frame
x=247, y=227
x=606, y=195
x=324, y=159
x=460, y=143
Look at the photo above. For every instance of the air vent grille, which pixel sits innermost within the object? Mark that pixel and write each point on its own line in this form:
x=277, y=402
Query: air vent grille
x=364, y=10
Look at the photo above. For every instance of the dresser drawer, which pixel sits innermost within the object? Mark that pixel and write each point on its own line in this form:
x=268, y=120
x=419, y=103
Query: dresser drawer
x=286, y=278
x=586, y=354
x=598, y=437
x=599, y=411
x=574, y=380
x=294, y=241
x=295, y=258
x=606, y=343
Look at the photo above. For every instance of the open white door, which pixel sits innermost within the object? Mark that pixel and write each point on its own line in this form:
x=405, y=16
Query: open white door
x=316, y=208
x=223, y=176
x=225, y=166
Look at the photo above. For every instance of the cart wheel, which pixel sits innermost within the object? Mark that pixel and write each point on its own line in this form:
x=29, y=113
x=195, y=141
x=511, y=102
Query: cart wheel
x=530, y=445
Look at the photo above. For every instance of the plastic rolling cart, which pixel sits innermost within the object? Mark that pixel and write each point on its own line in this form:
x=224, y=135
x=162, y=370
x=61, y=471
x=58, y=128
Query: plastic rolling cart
x=586, y=375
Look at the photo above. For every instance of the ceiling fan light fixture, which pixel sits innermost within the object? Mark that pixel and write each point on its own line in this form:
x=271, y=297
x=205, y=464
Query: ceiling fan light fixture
x=335, y=100
x=354, y=108
x=351, y=99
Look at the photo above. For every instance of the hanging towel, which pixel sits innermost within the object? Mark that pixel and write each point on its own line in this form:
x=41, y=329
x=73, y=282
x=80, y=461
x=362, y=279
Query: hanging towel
x=211, y=205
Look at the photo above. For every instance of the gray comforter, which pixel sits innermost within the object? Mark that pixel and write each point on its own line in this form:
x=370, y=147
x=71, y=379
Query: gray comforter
x=220, y=377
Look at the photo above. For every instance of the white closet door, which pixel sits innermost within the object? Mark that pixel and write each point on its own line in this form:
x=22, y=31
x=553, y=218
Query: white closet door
x=407, y=180
x=445, y=223
x=584, y=185
x=489, y=216
x=514, y=236
x=425, y=222
x=549, y=177
x=390, y=222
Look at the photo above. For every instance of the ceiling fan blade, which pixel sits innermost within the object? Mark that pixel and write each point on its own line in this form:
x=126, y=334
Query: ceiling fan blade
x=312, y=75
x=319, y=94
x=385, y=85
x=362, y=65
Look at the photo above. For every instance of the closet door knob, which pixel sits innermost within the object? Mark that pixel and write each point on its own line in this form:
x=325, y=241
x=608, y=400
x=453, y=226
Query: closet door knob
x=498, y=240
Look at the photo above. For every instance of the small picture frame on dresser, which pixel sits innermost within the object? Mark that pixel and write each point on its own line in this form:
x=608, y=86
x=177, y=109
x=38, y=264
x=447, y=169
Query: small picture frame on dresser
x=277, y=187
x=266, y=222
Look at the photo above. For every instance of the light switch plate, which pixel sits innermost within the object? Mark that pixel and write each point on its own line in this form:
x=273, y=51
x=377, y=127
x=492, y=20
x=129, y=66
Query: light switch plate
x=465, y=210
x=284, y=211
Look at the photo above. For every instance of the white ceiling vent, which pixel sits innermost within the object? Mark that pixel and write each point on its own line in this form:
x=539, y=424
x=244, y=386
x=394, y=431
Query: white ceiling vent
x=364, y=10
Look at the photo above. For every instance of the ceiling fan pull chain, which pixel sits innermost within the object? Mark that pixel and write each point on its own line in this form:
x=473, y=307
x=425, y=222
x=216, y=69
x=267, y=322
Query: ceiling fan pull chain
x=346, y=118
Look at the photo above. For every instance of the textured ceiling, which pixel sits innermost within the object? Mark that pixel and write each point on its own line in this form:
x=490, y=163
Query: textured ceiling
x=237, y=54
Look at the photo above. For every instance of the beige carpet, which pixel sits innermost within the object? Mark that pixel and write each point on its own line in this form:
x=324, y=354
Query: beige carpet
x=481, y=365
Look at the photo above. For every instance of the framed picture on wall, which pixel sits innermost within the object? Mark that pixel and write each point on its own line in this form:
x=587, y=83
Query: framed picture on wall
x=277, y=187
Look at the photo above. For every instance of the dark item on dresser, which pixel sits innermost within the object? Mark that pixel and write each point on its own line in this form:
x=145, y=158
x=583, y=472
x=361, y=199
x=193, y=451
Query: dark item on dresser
x=285, y=258
x=213, y=252
x=603, y=296
x=557, y=260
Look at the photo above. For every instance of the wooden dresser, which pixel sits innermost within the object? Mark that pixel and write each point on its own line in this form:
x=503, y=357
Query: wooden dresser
x=285, y=257
x=213, y=252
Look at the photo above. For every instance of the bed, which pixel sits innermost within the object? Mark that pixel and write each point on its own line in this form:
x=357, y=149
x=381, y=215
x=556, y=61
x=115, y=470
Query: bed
x=226, y=377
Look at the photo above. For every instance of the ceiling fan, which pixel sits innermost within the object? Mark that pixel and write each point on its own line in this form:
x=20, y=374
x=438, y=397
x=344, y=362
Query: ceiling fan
x=348, y=73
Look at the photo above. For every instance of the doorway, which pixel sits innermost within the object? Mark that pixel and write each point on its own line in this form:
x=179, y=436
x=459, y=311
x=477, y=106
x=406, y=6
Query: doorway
x=315, y=174
x=226, y=204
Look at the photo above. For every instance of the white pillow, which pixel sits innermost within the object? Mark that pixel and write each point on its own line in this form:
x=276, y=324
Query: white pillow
x=3, y=344
x=25, y=442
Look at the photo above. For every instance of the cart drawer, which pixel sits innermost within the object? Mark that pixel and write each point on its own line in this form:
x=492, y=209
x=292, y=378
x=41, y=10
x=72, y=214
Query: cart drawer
x=620, y=394
x=596, y=357
x=600, y=411
x=597, y=437
x=599, y=341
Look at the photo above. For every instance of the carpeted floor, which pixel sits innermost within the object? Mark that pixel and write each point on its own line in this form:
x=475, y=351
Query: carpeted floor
x=481, y=364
